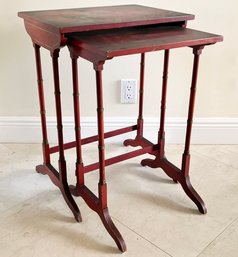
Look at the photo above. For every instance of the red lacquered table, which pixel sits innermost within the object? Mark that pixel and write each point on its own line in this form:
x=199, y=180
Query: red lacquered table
x=97, y=35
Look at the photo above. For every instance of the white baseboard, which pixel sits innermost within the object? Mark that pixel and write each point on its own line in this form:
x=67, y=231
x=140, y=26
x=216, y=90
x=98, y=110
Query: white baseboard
x=205, y=130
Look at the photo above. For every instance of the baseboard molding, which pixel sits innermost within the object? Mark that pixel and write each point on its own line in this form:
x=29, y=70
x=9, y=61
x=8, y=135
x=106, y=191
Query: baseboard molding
x=205, y=130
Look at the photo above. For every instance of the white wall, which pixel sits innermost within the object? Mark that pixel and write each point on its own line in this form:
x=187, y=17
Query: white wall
x=217, y=94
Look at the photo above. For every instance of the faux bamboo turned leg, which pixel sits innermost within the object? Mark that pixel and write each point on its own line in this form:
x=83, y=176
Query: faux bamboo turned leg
x=161, y=134
x=102, y=186
x=45, y=143
x=101, y=147
x=79, y=162
x=186, y=154
x=136, y=141
x=62, y=163
x=185, y=182
x=141, y=97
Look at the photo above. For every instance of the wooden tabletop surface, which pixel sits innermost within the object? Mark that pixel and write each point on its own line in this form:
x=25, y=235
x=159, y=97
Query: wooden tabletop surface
x=105, y=17
x=117, y=42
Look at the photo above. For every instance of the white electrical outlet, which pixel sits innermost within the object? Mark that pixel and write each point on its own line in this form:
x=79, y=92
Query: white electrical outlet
x=129, y=91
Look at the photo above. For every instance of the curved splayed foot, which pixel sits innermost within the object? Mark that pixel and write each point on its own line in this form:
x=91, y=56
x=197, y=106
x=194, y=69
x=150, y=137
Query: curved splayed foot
x=74, y=190
x=192, y=194
x=41, y=169
x=93, y=202
x=131, y=142
x=150, y=163
x=71, y=203
x=64, y=188
x=112, y=230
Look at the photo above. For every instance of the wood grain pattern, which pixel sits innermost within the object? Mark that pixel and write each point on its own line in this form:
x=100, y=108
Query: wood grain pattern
x=117, y=42
x=104, y=17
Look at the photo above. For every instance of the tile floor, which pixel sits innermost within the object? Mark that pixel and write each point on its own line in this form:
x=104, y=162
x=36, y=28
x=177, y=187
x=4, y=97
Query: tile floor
x=154, y=215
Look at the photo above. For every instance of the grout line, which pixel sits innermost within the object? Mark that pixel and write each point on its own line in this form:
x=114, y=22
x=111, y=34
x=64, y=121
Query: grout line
x=230, y=151
x=214, y=159
x=35, y=196
x=218, y=236
x=142, y=237
x=18, y=204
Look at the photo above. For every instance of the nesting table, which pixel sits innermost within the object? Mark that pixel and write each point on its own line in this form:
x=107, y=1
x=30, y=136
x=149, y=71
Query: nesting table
x=97, y=35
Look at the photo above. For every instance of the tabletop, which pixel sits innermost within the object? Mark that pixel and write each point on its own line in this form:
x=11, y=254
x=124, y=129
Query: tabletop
x=105, y=17
x=107, y=44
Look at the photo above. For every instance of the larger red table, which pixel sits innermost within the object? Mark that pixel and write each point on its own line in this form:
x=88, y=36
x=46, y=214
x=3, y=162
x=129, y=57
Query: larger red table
x=98, y=34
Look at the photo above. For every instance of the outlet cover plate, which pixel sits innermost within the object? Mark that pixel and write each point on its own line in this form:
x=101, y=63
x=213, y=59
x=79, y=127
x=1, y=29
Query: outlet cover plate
x=128, y=91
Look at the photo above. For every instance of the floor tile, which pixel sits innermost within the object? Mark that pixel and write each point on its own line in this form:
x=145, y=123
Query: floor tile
x=225, y=244
x=224, y=154
x=154, y=215
x=43, y=226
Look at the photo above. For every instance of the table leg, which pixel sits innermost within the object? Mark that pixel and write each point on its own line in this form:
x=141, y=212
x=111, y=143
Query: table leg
x=102, y=209
x=141, y=97
x=181, y=175
x=45, y=143
x=185, y=181
x=79, y=161
x=138, y=141
x=161, y=133
x=62, y=162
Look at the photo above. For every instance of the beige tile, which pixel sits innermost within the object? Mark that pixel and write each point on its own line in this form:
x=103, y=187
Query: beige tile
x=154, y=215
x=15, y=157
x=222, y=153
x=232, y=148
x=21, y=185
x=18, y=179
x=225, y=244
x=43, y=226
